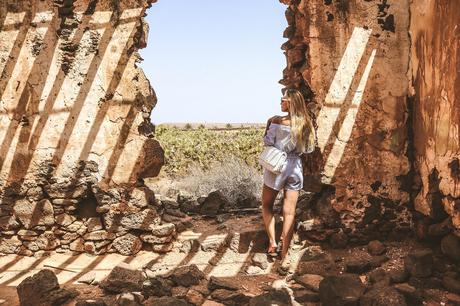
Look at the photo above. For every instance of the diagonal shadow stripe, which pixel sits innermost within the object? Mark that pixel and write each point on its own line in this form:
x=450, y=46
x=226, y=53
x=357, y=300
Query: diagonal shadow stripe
x=9, y=31
x=194, y=250
x=16, y=259
x=137, y=164
x=82, y=96
x=347, y=122
x=151, y=263
x=120, y=145
x=220, y=252
x=66, y=263
x=25, y=271
x=17, y=47
x=341, y=83
x=87, y=269
x=344, y=106
x=3, y=14
x=40, y=126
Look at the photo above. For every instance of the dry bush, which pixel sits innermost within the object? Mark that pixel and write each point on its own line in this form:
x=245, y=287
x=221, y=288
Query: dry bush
x=233, y=177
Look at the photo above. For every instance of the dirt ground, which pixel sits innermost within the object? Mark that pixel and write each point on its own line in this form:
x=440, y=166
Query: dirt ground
x=217, y=261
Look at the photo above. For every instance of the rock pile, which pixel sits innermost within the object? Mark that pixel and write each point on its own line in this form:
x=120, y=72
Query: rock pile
x=43, y=289
x=98, y=219
x=367, y=279
x=185, y=285
x=91, y=218
x=213, y=204
x=378, y=274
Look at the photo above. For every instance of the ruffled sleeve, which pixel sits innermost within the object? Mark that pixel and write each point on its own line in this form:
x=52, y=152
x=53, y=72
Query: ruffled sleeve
x=269, y=138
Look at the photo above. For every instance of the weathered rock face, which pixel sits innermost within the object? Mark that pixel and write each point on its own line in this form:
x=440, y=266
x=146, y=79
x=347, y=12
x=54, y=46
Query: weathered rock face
x=352, y=57
x=435, y=30
x=75, y=133
x=76, y=139
x=386, y=74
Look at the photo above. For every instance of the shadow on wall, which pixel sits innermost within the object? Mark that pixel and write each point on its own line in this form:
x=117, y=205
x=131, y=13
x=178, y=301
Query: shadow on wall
x=61, y=94
x=74, y=107
x=338, y=113
x=361, y=125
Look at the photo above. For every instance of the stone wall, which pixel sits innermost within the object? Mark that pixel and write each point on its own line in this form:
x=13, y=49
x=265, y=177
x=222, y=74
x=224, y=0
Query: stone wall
x=75, y=134
x=385, y=74
x=435, y=34
x=352, y=58
x=76, y=138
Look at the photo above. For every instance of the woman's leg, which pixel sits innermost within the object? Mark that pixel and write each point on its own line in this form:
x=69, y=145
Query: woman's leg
x=289, y=206
x=268, y=199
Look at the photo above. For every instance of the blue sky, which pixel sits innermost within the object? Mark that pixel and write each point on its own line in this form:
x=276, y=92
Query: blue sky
x=215, y=61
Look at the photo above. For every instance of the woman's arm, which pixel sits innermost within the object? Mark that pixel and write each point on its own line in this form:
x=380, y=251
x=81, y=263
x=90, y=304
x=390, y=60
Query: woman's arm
x=269, y=136
x=274, y=119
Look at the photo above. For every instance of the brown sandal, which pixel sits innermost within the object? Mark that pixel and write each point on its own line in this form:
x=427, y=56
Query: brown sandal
x=272, y=251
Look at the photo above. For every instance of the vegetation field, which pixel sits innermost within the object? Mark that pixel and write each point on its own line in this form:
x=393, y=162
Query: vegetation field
x=202, y=146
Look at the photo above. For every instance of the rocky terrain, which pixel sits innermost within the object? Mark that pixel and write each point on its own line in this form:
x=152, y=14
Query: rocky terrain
x=215, y=255
x=394, y=273
x=77, y=142
x=379, y=217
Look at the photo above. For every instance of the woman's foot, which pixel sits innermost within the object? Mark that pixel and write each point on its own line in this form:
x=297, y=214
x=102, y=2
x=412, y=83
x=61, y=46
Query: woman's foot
x=284, y=266
x=272, y=251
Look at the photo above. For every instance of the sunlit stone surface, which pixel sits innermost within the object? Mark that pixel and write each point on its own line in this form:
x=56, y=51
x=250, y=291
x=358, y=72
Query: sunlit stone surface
x=75, y=131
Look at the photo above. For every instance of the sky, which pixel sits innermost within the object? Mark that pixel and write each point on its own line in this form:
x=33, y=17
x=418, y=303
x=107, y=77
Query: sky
x=214, y=60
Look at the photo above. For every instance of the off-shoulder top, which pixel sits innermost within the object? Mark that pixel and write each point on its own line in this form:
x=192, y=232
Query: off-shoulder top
x=279, y=136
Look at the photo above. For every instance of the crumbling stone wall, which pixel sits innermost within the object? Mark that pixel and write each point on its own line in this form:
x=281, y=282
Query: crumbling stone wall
x=75, y=134
x=386, y=74
x=352, y=58
x=435, y=34
x=76, y=139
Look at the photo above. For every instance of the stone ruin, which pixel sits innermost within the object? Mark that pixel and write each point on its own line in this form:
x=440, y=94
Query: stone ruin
x=386, y=74
x=77, y=141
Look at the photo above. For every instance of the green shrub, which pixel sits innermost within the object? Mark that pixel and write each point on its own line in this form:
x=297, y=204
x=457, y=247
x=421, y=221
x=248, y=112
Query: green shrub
x=202, y=147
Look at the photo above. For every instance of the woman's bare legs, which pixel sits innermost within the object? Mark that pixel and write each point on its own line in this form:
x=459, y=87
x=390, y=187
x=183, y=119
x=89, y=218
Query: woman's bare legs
x=289, y=206
x=268, y=199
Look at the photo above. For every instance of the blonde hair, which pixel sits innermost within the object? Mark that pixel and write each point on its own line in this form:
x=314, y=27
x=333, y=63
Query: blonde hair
x=302, y=128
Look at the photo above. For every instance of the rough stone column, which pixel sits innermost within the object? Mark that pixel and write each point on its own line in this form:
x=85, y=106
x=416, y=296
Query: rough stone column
x=75, y=133
x=352, y=57
x=435, y=33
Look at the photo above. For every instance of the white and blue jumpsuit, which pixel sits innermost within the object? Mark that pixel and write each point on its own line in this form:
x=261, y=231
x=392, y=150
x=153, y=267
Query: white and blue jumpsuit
x=291, y=176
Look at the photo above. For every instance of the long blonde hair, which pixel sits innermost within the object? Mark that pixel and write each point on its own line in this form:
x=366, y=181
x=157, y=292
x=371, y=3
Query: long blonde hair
x=302, y=128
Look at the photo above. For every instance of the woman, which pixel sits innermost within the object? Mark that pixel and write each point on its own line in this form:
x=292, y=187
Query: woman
x=294, y=134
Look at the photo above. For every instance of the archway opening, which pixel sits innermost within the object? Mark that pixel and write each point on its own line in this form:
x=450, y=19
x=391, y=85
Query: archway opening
x=216, y=68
